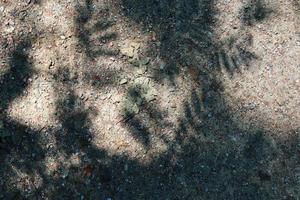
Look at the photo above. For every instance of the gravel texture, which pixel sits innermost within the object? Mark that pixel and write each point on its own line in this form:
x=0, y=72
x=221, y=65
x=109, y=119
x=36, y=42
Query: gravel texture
x=132, y=99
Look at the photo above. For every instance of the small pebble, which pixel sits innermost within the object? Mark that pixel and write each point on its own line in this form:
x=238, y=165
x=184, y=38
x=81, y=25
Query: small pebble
x=123, y=81
x=173, y=105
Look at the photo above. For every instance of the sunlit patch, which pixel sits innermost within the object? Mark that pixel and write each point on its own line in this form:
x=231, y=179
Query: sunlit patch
x=268, y=96
x=36, y=107
x=139, y=126
x=54, y=14
x=108, y=133
x=265, y=94
x=268, y=102
x=228, y=23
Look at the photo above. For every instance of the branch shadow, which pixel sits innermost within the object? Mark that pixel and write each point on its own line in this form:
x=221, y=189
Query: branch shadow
x=211, y=157
x=213, y=160
x=18, y=146
x=255, y=11
x=92, y=30
x=186, y=38
x=142, y=116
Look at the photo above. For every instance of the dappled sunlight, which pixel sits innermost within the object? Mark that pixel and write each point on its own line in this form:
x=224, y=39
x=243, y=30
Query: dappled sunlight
x=53, y=13
x=271, y=102
x=36, y=108
x=270, y=91
x=133, y=99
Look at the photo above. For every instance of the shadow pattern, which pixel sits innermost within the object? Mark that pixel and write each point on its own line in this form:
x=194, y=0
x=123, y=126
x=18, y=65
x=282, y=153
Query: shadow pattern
x=92, y=30
x=212, y=157
x=255, y=11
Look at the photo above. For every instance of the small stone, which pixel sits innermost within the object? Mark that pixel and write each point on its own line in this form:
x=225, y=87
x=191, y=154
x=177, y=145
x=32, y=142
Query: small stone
x=51, y=63
x=150, y=95
x=130, y=48
x=103, y=97
x=127, y=51
x=109, y=95
x=62, y=37
x=141, y=70
x=269, y=67
x=172, y=89
x=10, y=29
x=22, y=15
x=1, y=9
x=116, y=98
x=251, y=106
x=123, y=81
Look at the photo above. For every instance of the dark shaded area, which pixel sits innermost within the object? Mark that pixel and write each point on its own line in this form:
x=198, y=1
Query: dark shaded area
x=15, y=80
x=24, y=150
x=215, y=158
x=211, y=157
x=185, y=33
x=178, y=30
x=16, y=139
x=74, y=123
x=12, y=84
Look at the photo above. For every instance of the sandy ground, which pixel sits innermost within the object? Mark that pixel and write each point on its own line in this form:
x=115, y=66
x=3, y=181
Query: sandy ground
x=129, y=99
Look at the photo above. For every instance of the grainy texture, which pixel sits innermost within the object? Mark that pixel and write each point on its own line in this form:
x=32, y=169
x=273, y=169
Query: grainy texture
x=132, y=99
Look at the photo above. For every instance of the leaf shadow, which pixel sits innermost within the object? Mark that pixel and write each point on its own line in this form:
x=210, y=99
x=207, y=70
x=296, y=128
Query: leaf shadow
x=92, y=30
